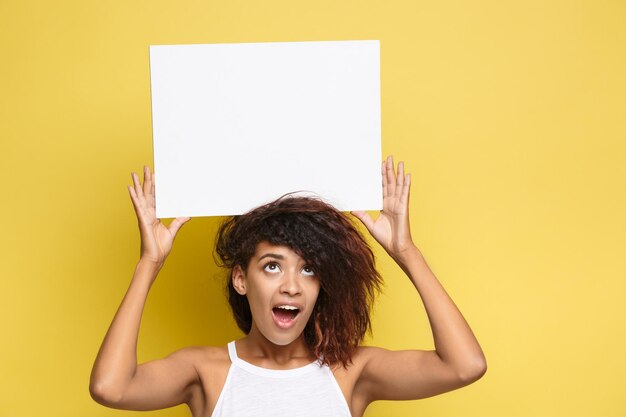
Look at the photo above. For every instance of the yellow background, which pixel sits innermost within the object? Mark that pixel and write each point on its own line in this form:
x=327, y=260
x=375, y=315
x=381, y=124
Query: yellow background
x=510, y=116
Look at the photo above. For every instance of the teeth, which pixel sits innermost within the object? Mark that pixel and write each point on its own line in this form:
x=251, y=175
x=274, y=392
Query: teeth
x=287, y=307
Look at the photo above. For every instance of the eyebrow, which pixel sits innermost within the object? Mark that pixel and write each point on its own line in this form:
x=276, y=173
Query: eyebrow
x=271, y=255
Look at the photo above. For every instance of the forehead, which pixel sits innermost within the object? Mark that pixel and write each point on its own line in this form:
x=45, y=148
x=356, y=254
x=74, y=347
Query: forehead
x=264, y=248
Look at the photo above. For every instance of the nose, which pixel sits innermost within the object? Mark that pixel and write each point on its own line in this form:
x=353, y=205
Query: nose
x=290, y=284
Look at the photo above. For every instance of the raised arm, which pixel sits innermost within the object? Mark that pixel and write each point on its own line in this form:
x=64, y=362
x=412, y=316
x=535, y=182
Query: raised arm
x=116, y=379
x=457, y=359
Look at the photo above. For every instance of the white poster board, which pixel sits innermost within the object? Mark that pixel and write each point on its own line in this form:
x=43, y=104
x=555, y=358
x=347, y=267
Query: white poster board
x=239, y=125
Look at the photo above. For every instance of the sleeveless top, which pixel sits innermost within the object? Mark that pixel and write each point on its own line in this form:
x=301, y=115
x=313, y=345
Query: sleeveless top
x=308, y=391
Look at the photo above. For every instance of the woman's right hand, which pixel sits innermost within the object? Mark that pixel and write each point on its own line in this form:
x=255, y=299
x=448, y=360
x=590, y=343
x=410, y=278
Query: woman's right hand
x=156, y=238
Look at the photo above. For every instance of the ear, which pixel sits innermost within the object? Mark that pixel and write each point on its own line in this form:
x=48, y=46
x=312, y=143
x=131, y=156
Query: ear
x=238, y=277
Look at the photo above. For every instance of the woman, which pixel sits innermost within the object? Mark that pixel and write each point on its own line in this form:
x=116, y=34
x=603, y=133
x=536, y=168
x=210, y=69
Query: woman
x=300, y=286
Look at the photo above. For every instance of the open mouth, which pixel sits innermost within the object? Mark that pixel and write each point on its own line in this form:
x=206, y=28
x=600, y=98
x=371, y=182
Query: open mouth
x=285, y=316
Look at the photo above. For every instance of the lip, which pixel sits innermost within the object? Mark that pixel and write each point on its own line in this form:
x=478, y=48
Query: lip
x=289, y=303
x=289, y=324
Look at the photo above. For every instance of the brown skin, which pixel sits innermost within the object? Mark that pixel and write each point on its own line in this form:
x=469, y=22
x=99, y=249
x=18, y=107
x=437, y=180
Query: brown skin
x=196, y=375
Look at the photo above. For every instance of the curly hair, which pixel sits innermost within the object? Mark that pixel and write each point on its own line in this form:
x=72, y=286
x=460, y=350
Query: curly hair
x=326, y=239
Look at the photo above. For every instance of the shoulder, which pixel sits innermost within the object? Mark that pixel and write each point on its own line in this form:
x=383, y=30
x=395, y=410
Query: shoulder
x=204, y=358
x=199, y=356
x=350, y=376
x=201, y=353
x=359, y=360
x=366, y=352
x=362, y=356
x=211, y=364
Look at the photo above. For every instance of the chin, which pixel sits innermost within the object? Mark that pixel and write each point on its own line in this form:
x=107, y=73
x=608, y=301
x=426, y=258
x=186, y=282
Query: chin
x=282, y=339
x=273, y=332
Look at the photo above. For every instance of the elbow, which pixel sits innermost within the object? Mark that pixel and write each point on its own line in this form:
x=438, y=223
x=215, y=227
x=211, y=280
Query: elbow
x=100, y=394
x=473, y=373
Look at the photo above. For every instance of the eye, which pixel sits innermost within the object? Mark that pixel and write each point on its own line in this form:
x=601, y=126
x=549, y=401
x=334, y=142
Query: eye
x=308, y=271
x=271, y=267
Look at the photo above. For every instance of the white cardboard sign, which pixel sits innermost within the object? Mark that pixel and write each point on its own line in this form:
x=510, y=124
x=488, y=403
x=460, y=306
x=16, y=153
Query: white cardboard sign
x=239, y=125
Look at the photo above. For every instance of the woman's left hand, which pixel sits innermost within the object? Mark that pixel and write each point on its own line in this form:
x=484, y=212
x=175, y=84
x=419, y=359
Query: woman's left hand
x=391, y=228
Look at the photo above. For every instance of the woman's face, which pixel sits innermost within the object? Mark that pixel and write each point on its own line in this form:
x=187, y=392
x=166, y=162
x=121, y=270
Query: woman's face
x=282, y=290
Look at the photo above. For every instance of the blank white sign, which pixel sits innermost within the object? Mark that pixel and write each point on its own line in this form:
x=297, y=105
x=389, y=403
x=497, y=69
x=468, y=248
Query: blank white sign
x=239, y=125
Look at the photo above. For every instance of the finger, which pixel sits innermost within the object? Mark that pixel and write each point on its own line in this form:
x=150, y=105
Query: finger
x=147, y=183
x=383, y=176
x=134, y=199
x=148, y=187
x=176, y=224
x=400, y=178
x=133, y=196
x=406, y=191
x=364, y=218
x=391, y=176
x=137, y=185
x=153, y=193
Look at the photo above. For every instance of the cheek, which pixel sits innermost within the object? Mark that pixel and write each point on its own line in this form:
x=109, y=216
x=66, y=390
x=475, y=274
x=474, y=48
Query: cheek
x=258, y=296
x=313, y=291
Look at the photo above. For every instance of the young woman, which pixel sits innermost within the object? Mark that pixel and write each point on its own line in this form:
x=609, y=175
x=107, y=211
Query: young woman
x=301, y=284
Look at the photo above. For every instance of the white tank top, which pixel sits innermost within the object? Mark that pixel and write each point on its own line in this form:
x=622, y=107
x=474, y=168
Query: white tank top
x=308, y=391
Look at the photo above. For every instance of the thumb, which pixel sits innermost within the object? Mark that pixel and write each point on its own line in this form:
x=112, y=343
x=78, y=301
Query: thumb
x=176, y=224
x=364, y=218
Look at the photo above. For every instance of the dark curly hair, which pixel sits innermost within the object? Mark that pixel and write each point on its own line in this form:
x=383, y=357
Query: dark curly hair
x=327, y=240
